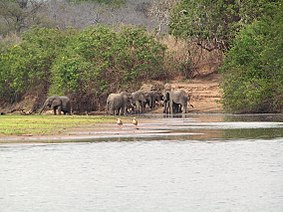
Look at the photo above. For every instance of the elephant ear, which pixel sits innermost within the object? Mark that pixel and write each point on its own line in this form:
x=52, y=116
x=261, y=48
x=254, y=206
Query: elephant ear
x=56, y=101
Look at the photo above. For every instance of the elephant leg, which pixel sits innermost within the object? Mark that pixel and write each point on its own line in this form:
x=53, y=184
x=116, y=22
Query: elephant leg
x=166, y=105
x=138, y=107
x=171, y=107
x=54, y=110
x=124, y=109
x=117, y=112
x=184, y=107
x=121, y=111
x=59, y=110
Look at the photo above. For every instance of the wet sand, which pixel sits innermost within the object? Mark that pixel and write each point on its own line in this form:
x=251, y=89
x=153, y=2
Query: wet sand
x=208, y=127
x=146, y=128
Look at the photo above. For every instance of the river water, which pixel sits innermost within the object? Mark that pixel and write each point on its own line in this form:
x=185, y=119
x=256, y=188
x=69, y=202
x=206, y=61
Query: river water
x=193, y=163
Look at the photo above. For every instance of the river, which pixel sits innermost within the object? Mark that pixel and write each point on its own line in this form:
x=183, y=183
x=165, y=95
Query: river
x=193, y=163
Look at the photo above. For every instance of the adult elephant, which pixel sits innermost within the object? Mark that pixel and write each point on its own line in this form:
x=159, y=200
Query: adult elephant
x=116, y=103
x=152, y=97
x=57, y=103
x=139, y=101
x=176, y=101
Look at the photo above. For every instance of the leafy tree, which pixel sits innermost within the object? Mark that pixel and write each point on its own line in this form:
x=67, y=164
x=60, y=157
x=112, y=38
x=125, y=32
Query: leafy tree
x=17, y=15
x=99, y=60
x=86, y=64
x=26, y=66
x=213, y=24
x=253, y=68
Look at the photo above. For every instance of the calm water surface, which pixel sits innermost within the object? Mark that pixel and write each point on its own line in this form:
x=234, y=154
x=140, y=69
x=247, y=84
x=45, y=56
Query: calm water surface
x=196, y=163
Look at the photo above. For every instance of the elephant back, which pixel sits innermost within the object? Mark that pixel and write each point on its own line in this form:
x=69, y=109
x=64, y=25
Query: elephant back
x=179, y=96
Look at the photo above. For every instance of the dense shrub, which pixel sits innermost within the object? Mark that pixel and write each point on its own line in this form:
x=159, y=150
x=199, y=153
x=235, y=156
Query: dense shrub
x=86, y=65
x=99, y=60
x=253, y=68
x=26, y=65
x=213, y=24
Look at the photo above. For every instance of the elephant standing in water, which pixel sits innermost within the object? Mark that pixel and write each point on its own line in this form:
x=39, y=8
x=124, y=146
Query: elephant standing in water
x=152, y=97
x=116, y=103
x=176, y=101
x=60, y=103
x=139, y=101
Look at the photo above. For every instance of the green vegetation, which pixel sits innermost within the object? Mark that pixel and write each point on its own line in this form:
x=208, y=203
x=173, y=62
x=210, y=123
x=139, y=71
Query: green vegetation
x=253, y=68
x=86, y=65
x=99, y=60
x=47, y=125
x=214, y=24
x=251, y=35
x=26, y=65
x=89, y=63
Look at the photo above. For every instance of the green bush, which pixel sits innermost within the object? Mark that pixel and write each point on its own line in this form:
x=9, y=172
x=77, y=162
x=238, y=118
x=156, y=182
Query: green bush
x=100, y=59
x=213, y=24
x=86, y=65
x=253, y=68
x=26, y=65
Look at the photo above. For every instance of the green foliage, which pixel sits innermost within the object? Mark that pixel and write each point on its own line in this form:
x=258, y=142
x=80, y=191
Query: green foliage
x=145, y=55
x=214, y=23
x=98, y=60
x=26, y=65
x=17, y=15
x=253, y=68
x=84, y=64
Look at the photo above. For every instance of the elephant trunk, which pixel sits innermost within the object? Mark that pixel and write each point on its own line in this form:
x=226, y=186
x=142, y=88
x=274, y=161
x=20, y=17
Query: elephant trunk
x=43, y=107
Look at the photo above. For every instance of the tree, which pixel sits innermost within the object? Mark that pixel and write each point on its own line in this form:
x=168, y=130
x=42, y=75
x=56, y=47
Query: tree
x=85, y=64
x=253, y=67
x=26, y=66
x=17, y=15
x=213, y=24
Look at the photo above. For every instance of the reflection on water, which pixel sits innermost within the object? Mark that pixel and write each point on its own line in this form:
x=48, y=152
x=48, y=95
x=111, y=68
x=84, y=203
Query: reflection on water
x=201, y=127
x=196, y=163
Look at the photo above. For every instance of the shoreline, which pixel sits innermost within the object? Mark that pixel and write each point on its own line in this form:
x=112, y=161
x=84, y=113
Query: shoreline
x=155, y=126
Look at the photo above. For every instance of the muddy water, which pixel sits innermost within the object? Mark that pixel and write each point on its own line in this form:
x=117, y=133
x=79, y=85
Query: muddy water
x=191, y=163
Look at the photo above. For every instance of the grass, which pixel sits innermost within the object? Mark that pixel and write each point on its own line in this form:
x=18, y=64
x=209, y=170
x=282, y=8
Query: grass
x=47, y=125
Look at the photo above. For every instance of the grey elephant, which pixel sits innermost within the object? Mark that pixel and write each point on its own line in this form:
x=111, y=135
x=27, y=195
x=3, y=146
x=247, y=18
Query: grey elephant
x=139, y=101
x=152, y=97
x=117, y=103
x=177, y=108
x=176, y=101
x=57, y=103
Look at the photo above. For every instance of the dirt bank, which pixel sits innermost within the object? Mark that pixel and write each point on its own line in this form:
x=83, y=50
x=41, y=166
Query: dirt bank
x=205, y=93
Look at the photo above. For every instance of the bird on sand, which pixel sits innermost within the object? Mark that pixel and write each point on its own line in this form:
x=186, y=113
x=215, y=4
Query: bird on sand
x=135, y=122
x=119, y=122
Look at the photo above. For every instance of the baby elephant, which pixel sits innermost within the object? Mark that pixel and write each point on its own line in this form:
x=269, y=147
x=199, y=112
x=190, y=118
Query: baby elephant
x=60, y=103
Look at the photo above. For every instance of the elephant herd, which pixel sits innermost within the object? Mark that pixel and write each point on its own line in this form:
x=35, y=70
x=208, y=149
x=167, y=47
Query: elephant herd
x=173, y=101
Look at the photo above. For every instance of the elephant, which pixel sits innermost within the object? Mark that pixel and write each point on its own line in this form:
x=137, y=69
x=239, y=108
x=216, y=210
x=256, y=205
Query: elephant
x=60, y=103
x=139, y=101
x=177, y=108
x=117, y=103
x=176, y=101
x=152, y=97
